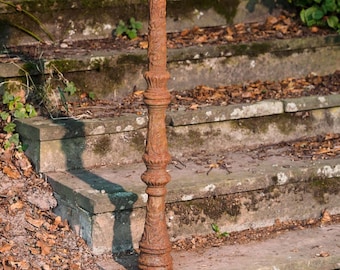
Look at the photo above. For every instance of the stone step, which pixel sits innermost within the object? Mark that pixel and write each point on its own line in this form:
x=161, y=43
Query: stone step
x=66, y=144
x=73, y=20
x=114, y=74
x=106, y=206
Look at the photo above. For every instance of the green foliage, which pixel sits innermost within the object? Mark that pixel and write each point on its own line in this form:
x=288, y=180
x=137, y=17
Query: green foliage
x=13, y=140
x=70, y=88
x=14, y=105
x=55, y=92
x=319, y=12
x=218, y=232
x=129, y=30
x=92, y=95
x=15, y=108
x=10, y=127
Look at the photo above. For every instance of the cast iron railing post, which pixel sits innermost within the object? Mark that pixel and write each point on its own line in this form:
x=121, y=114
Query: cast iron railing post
x=155, y=246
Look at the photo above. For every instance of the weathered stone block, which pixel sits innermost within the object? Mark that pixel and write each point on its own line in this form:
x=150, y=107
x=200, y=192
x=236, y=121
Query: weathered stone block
x=254, y=194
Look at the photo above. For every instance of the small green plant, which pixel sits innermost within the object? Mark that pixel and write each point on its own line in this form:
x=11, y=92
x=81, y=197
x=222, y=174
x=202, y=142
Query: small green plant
x=17, y=107
x=218, y=232
x=319, y=12
x=14, y=107
x=13, y=104
x=92, y=95
x=64, y=88
x=18, y=8
x=129, y=30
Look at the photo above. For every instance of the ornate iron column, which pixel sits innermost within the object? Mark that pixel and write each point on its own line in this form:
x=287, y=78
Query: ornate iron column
x=155, y=246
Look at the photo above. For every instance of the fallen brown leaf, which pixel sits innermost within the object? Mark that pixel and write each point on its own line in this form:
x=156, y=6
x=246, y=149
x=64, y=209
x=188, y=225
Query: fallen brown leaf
x=16, y=206
x=229, y=38
x=5, y=264
x=193, y=107
x=35, y=222
x=326, y=217
x=138, y=92
x=282, y=28
x=6, y=156
x=201, y=39
x=24, y=164
x=57, y=220
x=34, y=251
x=271, y=20
x=45, y=249
x=143, y=45
x=11, y=172
x=322, y=254
x=6, y=247
x=24, y=265
x=74, y=266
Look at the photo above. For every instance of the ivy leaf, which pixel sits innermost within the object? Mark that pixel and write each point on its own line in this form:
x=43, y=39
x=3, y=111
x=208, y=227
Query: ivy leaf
x=132, y=33
x=20, y=113
x=121, y=28
x=30, y=110
x=318, y=14
x=10, y=127
x=329, y=5
x=308, y=16
x=303, y=16
x=70, y=88
x=135, y=24
x=7, y=98
x=92, y=95
x=4, y=115
x=14, y=139
x=333, y=21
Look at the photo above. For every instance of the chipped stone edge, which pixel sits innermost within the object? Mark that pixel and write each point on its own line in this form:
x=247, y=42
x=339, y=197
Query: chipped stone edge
x=261, y=108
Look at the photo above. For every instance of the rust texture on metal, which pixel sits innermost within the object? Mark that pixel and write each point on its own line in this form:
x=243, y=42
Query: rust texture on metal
x=155, y=246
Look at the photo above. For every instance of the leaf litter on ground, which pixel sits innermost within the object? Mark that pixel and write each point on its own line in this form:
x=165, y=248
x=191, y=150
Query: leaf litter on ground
x=203, y=95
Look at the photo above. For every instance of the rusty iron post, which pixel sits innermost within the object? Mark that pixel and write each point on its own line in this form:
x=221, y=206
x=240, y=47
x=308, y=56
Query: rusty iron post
x=155, y=246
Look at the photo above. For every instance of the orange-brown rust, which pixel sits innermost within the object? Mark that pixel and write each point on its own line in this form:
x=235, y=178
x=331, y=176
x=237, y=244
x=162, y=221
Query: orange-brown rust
x=155, y=246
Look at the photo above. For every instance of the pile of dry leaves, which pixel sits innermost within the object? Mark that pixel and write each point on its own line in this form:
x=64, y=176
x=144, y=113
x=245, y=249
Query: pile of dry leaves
x=31, y=236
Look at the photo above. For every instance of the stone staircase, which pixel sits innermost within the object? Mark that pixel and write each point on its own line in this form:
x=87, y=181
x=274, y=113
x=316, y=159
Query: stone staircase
x=94, y=165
